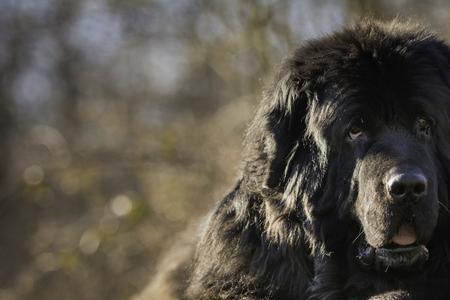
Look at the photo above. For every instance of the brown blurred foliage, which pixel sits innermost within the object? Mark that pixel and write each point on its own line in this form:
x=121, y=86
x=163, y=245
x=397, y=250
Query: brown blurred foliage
x=121, y=124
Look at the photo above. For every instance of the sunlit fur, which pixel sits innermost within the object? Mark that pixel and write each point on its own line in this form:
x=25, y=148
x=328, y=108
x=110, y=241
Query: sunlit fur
x=289, y=228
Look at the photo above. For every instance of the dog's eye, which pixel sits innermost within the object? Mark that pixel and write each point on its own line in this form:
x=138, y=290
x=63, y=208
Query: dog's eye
x=424, y=126
x=355, y=132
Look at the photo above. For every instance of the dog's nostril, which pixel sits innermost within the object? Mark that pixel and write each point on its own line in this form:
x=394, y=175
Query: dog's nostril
x=397, y=189
x=419, y=188
x=404, y=185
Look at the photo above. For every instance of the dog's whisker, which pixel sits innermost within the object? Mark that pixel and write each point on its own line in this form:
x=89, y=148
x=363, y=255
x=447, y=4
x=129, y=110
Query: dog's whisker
x=357, y=237
x=444, y=206
x=387, y=268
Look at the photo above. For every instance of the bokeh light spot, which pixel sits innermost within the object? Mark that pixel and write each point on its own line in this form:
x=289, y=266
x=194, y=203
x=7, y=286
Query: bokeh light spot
x=33, y=175
x=47, y=262
x=121, y=205
x=89, y=242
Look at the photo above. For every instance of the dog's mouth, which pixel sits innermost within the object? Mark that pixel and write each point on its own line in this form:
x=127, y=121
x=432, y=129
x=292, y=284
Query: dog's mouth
x=408, y=258
x=404, y=253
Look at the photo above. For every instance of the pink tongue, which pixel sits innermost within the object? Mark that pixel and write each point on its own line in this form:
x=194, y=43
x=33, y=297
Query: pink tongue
x=405, y=236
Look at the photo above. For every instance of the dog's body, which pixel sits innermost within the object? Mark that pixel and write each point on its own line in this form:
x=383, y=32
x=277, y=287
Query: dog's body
x=344, y=189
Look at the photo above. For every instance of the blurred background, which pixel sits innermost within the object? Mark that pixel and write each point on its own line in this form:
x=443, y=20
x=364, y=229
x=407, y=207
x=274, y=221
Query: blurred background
x=121, y=124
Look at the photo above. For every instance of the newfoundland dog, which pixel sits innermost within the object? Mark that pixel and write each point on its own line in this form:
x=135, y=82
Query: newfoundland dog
x=344, y=185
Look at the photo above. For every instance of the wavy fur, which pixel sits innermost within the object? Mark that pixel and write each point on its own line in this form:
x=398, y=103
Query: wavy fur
x=288, y=229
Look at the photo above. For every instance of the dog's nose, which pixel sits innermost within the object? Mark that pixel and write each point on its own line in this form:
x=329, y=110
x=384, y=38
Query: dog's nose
x=407, y=185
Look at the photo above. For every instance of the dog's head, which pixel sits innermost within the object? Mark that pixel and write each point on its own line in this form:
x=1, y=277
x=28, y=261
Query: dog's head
x=354, y=138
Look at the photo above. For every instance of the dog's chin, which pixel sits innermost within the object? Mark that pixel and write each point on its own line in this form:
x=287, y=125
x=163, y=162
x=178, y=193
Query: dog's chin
x=393, y=258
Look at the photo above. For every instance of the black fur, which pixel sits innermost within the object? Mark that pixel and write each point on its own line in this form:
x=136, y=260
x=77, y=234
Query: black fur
x=310, y=196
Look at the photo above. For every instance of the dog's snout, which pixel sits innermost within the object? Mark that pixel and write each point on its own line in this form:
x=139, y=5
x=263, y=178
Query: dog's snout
x=407, y=185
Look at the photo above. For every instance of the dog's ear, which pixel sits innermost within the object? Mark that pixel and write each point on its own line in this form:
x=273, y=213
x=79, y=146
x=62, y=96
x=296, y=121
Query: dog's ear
x=441, y=56
x=277, y=130
x=438, y=56
x=280, y=143
x=283, y=159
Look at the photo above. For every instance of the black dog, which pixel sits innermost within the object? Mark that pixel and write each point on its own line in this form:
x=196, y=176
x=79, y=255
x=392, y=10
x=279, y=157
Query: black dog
x=344, y=189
